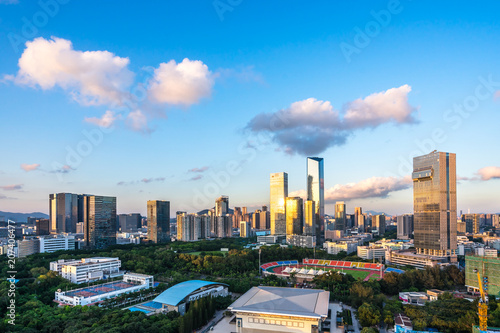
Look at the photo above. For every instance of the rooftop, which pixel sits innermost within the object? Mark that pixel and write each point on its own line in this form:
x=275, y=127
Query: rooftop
x=175, y=294
x=310, y=303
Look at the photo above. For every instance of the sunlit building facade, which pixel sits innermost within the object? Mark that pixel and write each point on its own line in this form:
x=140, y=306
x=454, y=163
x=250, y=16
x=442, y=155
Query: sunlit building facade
x=63, y=212
x=315, y=192
x=309, y=218
x=435, y=204
x=340, y=218
x=294, y=215
x=278, y=191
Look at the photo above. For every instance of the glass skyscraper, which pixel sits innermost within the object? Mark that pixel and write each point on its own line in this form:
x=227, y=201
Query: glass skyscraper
x=316, y=193
x=279, y=191
x=435, y=204
x=99, y=221
x=340, y=218
x=309, y=218
x=64, y=212
x=294, y=215
x=158, y=221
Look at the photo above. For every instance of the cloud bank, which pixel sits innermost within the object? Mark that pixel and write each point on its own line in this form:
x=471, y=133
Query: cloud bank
x=30, y=167
x=311, y=126
x=374, y=187
x=490, y=172
x=13, y=187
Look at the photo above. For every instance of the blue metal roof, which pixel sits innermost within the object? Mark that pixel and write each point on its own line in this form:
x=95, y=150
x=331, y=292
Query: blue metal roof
x=175, y=294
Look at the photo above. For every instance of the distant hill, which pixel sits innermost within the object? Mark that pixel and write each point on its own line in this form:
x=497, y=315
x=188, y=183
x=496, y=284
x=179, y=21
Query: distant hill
x=205, y=211
x=22, y=217
x=375, y=213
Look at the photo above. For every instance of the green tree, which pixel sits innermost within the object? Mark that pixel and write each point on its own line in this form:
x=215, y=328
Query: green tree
x=368, y=315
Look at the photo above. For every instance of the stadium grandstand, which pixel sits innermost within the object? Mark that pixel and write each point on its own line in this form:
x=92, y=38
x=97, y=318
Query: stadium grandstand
x=309, y=268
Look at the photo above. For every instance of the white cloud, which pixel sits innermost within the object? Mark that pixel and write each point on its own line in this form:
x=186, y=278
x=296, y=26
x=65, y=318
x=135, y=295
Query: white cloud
x=12, y=187
x=91, y=77
x=491, y=172
x=311, y=126
x=138, y=122
x=380, y=108
x=202, y=169
x=181, y=84
x=30, y=167
x=107, y=120
x=374, y=187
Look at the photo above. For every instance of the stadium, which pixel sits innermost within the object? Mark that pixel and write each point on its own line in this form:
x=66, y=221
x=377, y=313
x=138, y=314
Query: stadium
x=309, y=268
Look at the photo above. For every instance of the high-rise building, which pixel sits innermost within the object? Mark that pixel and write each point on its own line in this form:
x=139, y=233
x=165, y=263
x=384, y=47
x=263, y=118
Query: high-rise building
x=158, y=221
x=435, y=204
x=362, y=222
x=294, y=215
x=472, y=223
x=42, y=227
x=309, y=218
x=357, y=212
x=129, y=222
x=223, y=226
x=63, y=212
x=222, y=206
x=404, y=226
x=378, y=221
x=245, y=230
x=279, y=191
x=315, y=192
x=99, y=221
x=495, y=220
x=340, y=217
x=237, y=217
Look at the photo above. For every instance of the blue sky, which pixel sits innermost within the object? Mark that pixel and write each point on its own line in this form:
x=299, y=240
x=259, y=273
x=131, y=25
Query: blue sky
x=248, y=60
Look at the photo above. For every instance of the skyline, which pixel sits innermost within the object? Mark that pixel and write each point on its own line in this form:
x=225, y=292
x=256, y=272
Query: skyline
x=251, y=98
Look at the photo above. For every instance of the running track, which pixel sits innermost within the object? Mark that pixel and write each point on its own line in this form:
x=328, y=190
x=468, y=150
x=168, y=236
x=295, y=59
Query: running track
x=279, y=270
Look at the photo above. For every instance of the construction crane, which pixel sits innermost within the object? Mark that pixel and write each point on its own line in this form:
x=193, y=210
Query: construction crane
x=483, y=302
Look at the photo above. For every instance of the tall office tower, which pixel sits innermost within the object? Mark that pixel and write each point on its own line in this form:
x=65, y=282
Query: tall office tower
x=357, y=212
x=222, y=205
x=315, y=192
x=461, y=227
x=99, y=221
x=340, y=221
x=237, y=217
x=63, y=212
x=294, y=215
x=245, y=230
x=435, y=204
x=159, y=221
x=129, y=222
x=404, y=226
x=264, y=219
x=378, y=221
x=42, y=227
x=362, y=222
x=309, y=218
x=181, y=225
x=279, y=191
x=495, y=220
x=244, y=211
x=256, y=219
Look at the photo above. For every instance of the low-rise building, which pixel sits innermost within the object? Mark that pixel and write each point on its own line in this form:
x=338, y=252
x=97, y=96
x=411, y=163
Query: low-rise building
x=56, y=243
x=87, y=269
x=335, y=247
x=178, y=296
x=371, y=252
x=410, y=258
x=276, y=309
x=301, y=240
